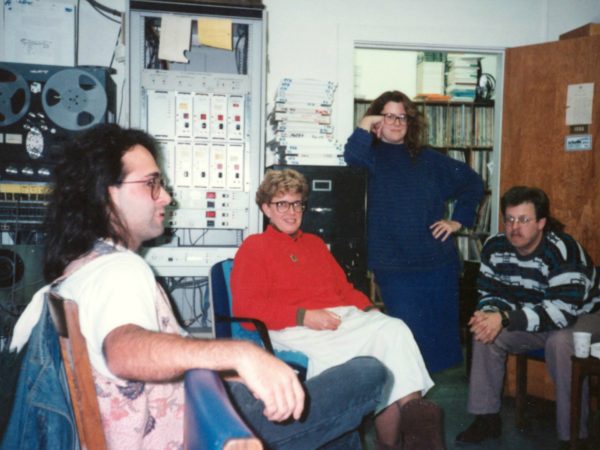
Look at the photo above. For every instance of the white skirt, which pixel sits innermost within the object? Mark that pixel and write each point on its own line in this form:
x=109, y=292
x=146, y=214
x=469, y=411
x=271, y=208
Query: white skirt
x=362, y=333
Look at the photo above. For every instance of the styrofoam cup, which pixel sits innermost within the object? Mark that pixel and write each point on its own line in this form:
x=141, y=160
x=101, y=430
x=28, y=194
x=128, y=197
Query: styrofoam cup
x=581, y=342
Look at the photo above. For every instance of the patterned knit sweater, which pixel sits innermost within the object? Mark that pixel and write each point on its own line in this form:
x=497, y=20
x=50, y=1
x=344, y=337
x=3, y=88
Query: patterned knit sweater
x=543, y=291
x=406, y=196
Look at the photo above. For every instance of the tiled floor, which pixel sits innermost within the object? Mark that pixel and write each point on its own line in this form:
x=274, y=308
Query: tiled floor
x=450, y=392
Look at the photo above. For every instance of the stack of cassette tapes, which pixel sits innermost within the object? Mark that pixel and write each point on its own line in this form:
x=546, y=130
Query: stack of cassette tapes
x=301, y=124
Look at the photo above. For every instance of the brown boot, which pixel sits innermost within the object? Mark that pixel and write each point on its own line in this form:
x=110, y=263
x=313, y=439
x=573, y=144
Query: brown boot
x=422, y=425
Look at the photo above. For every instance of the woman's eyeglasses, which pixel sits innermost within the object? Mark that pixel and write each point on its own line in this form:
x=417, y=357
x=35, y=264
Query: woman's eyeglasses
x=284, y=206
x=391, y=119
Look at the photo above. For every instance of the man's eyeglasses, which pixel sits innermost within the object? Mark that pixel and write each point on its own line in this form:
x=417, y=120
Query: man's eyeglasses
x=521, y=220
x=283, y=206
x=155, y=184
x=391, y=119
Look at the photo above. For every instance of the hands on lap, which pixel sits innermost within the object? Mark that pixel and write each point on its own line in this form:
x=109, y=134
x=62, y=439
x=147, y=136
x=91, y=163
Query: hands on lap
x=485, y=326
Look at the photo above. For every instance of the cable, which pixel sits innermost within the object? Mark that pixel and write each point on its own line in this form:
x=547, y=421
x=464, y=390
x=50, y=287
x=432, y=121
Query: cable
x=77, y=33
x=122, y=99
x=112, y=58
x=99, y=6
x=241, y=55
x=152, y=42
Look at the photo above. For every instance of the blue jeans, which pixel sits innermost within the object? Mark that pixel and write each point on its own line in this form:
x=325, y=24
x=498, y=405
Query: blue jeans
x=337, y=401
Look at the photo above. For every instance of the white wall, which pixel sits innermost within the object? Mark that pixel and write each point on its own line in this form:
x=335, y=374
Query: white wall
x=376, y=71
x=316, y=38
x=566, y=15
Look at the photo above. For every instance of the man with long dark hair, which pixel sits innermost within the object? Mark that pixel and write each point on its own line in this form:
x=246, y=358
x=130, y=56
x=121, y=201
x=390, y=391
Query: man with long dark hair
x=536, y=286
x=108, y=199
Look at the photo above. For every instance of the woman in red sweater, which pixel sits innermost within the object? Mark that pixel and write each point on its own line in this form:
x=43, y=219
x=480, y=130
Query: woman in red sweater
x=290, y=281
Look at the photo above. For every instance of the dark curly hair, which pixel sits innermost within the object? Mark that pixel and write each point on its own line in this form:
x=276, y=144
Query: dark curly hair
x=80, y=210
x=416, y=121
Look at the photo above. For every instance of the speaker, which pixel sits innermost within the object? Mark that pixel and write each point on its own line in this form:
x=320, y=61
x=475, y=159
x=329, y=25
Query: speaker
x=336, y=211
x=21, y=275
x=41, y=107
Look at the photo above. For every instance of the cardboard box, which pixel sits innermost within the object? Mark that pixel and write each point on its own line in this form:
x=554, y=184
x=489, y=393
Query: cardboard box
x=590, y=29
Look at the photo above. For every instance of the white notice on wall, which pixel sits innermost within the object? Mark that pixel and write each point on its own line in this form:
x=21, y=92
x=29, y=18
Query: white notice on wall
x=40, y=32
x=175, y=35
x=580, y=98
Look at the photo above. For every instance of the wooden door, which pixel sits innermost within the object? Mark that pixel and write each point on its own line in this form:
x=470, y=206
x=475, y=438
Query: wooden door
x=534, y=130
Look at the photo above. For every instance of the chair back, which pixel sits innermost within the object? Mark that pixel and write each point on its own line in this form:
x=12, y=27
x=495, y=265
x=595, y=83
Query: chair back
x=220, y=291
x=78, y=369
x=220, y=294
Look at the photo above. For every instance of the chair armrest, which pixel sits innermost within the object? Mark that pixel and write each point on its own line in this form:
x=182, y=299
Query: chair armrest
x=210, y=421
x=260, y=326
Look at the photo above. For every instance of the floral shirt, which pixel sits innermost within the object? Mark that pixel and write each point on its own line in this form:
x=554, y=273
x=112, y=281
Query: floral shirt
x=136, y=415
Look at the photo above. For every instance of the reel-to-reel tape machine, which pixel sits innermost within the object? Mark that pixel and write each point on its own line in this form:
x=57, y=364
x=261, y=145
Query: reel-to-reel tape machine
x=41, y=107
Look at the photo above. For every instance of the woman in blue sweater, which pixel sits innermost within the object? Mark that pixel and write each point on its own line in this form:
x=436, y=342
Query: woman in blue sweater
x=412, y=250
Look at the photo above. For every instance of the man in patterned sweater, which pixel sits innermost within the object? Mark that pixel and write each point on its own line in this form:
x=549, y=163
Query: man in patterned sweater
x=536, y=286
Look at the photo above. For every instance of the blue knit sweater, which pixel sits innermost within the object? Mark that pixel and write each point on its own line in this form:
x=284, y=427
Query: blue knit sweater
x=406, y=196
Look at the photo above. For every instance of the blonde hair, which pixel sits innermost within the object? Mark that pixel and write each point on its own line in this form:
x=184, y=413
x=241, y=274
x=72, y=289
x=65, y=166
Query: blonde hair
x=281, y=182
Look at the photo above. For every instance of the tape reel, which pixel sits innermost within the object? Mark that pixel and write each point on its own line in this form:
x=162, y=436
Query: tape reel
x=14, y=96
x=41, y=107
x=74, y=99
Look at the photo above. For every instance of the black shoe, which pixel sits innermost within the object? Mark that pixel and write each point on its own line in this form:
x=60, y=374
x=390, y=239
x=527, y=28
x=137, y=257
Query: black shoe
x=485, y=426
x=582, y=444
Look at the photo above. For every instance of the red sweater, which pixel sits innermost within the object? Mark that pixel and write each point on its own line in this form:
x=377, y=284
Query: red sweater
x=274, y=275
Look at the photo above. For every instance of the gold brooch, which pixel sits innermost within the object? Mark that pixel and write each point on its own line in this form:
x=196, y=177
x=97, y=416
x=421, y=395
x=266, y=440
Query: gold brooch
x=293, y=257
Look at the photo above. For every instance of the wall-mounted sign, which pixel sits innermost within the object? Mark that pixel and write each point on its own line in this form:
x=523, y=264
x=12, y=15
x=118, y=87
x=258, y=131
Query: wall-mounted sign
x=575, y=142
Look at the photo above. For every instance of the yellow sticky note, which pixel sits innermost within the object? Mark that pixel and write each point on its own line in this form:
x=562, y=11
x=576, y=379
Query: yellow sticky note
x=215, y=33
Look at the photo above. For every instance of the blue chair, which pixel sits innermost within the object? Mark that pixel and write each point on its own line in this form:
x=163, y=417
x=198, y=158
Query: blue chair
x=228, y=326
x=210, y=421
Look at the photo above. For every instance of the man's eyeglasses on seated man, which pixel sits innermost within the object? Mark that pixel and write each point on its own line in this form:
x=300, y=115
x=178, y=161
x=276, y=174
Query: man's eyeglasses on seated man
x=155, y=184
x=521, y=220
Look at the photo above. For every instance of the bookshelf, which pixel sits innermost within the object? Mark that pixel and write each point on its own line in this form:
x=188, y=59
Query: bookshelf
x=463, y=131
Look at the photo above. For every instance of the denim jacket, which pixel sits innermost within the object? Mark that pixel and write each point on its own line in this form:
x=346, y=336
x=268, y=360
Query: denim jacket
x=42, y=416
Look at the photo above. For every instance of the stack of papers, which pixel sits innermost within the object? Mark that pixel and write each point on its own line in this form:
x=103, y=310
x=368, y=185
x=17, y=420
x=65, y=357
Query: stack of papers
x=461, y=82
x=302, y=126
x=430, y=75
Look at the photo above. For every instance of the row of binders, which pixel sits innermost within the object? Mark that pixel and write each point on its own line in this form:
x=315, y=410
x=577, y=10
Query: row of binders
x=301, y=122
x=469, y=244
x=459, y=125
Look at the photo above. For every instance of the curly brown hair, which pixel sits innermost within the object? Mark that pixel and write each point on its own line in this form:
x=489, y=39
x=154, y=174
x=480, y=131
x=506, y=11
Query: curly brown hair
x=416, y=121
